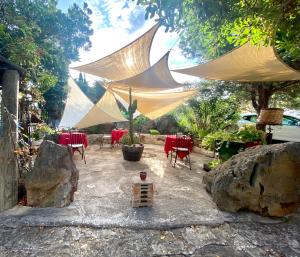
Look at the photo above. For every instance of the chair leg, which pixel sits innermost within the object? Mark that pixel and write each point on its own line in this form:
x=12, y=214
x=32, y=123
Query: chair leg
x=190, y=161
x=171, y=156
x=83, y=155
x=175, y=159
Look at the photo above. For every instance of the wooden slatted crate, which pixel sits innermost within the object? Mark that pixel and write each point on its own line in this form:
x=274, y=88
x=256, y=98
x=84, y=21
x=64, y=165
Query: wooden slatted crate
x=142, y=195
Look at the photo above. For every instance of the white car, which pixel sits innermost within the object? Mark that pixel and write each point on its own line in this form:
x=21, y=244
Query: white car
x=288, y=131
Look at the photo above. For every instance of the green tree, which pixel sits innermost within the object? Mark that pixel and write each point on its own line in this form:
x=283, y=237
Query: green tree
x=209, y=112
x=209, y=29
x=43, y=40
x=212, y=26
x=93, y=92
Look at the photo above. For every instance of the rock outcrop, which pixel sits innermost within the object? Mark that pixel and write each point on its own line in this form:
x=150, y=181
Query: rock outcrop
x=54, y=177
x=263, y=179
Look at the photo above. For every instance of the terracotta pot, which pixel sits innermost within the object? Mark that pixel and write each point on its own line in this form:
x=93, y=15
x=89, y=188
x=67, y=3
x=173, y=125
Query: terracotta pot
x=143, y=175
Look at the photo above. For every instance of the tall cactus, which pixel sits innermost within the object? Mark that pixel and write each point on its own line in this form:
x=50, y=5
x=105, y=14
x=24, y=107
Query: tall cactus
x=131, y=110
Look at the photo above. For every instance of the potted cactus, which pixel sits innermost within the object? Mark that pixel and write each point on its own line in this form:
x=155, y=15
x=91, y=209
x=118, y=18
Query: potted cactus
x=131, y=148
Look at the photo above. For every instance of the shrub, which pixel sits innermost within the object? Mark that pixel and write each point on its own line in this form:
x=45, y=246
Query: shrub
x=214, y=163
x=154, y=132
x=208, y=141
x=249, y=133
x=41, y=131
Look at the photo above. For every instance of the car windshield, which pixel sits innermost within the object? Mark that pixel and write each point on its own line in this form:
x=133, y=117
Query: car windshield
x=290, y=121
x=251, y=118
x=287, y=120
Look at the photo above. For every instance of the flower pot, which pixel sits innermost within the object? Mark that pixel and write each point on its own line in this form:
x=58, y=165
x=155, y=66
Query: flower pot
x=143, y=175
x=132, y=152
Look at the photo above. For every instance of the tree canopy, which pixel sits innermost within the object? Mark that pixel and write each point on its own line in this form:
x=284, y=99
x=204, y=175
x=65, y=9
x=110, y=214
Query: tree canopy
x=213, y=27
x=94, y=92
x=209, y=29
x=43, y=40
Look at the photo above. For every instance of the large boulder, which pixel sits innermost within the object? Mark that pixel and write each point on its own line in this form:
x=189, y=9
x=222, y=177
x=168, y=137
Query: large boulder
x=54, y=177
x=264, y=179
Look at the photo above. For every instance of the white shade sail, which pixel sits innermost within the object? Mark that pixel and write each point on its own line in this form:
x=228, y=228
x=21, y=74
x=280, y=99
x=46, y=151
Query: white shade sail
x=154, y=105
x=124, y=63
x=245, y=64
x=105, y=111
x=77, y=106
x=156, y=78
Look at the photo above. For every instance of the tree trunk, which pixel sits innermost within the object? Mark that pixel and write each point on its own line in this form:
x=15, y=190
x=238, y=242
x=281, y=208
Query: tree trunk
x=260, y=97
x=8, y=136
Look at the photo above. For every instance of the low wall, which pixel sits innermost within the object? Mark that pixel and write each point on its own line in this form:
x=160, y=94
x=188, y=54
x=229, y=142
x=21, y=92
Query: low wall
x=155, y=140
x=145, y=139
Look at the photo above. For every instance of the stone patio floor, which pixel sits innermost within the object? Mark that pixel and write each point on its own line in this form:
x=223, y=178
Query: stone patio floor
x=184, y=221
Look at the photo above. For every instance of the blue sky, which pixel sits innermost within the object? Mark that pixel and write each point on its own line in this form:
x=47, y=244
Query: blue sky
x=117, y=23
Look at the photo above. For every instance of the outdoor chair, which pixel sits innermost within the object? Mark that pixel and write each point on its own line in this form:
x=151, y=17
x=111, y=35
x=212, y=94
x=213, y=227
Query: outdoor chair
x=101, y=140
x=76, y=143
x=181, y=147
x=107, y=139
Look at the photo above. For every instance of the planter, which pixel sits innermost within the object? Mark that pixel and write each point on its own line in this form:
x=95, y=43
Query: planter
x=132, y=152
x=143, y=175
x=252, y=144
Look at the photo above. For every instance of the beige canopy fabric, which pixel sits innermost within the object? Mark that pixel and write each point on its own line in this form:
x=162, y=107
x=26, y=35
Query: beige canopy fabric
x=245, y=64
x=77, y=106
x=156, y=78
x=154, y=105
x=124, y=63
x=105, y=111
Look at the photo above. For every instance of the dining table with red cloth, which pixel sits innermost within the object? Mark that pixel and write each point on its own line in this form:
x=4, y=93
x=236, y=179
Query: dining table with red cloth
x=170, y=142
x=116, y=135
x=68, y=138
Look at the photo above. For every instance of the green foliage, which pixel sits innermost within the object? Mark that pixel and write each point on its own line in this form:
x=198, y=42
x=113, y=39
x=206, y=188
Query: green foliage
x=43, y=40
x=214, y=163
x=209, y=112
x=126, y=140
x=139, y=121
x=209, y=141
x=217, y=25
x=41, y=131
x=209, y=29
x=154, y=132
x=249, y=133
x=245, y=134
x=95, y=92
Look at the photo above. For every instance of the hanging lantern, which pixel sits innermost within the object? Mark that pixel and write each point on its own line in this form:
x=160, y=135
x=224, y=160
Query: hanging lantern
x=270, y=116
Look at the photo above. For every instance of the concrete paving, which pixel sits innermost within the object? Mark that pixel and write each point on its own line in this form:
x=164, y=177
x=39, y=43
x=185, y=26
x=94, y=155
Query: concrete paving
x=184, y=221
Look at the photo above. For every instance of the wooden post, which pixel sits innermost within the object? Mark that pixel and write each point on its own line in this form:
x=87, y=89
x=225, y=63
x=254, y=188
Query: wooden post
x=9, y=174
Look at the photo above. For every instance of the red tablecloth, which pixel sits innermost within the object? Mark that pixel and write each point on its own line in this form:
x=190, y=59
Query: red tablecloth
x=117, y=134
x=67, y=138
x=171, y=142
